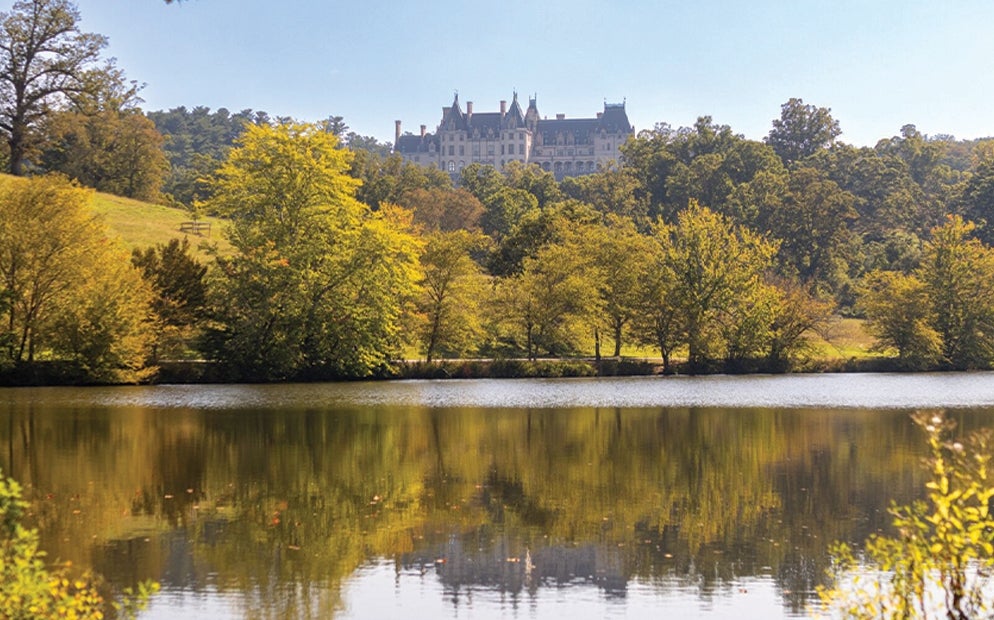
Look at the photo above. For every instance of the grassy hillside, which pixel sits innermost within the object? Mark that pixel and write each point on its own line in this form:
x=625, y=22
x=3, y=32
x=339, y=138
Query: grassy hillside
x=141, y=224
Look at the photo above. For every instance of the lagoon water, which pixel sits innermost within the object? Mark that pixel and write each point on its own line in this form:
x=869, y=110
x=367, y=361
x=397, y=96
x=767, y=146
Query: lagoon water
x=684, y=497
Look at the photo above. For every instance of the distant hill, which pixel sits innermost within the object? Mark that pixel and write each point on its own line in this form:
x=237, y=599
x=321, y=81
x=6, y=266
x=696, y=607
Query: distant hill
x=141, y=224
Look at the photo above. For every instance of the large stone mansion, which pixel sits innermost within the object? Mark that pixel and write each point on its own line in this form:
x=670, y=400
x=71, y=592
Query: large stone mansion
x=564, y=147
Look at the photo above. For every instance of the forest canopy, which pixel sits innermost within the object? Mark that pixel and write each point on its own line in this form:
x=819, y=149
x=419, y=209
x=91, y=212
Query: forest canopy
x=698, y=246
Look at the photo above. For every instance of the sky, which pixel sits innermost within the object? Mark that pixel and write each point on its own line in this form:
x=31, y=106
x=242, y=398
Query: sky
x=877, y=64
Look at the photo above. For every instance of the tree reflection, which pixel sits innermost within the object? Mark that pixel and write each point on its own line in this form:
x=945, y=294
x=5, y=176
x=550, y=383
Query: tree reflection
x=284, y=505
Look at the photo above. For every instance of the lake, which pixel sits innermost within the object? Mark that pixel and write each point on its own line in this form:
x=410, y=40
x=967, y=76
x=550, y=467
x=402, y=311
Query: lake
x=711, y=497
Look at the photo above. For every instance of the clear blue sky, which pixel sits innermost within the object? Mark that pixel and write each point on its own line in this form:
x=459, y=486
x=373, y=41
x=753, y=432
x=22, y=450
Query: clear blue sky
x=878, y=64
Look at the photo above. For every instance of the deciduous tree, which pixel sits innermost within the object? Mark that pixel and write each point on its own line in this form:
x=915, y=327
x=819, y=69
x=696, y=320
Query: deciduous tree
x=119, y=152
x=899, y=315
x=177, y=280
x=546, y=307
x=72, y=292
x=453, y=288
x=802, y=130
x=45, y=62
x=958, y=272
x=318, y=281
x=715, y=265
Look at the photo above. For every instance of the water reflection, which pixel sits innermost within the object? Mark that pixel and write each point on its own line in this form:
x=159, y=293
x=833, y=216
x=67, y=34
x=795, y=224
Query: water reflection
x=283, y=511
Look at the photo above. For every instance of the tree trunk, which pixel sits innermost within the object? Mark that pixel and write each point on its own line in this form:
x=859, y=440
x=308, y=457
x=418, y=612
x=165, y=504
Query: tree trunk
x=17, y=149
x=617, y=338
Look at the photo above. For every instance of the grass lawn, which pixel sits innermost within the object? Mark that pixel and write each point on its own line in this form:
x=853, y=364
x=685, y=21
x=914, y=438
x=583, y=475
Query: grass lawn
x=844, y=339
x=141, y=224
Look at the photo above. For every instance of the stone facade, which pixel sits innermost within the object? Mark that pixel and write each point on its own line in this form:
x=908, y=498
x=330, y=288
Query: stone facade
x=564, y=147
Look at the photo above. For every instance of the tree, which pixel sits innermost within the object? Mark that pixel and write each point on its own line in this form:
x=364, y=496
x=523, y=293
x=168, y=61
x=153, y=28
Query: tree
x=796, y=314
x=899, y=315
x=46, y=234
x=72, y=292
x=452, y=290
x=545, y=306
x=812, y=224
x=715, y=265
x=618, y=252
x=802, y=130
x=958, y=272
x=177, y=280
x=45, y=61
x=660, y=321
x=196, y=141
x=705, y=163
x=610, y=190
x=446, y=210
x=104, y=324
x=503, y=210
x=318, y=281
x=119, y=152
x=939, y=563
x=976, y=199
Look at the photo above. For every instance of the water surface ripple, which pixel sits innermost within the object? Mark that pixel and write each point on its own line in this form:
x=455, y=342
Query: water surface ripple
x=869, y=390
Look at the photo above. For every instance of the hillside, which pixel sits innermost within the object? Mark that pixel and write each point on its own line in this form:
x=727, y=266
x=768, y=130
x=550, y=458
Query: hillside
x=141, y=224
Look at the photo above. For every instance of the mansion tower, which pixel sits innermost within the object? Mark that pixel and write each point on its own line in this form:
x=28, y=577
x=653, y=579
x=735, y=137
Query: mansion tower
x=564, y=147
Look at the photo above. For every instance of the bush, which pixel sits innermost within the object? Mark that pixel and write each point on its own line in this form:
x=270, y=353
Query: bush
x=940, y=563
x=30, y=589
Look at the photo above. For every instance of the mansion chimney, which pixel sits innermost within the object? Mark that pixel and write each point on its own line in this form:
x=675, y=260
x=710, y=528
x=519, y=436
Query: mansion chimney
x=469, y=110
x=423, y=128
x=560, y=117
x=503, y=108
x=396, y=133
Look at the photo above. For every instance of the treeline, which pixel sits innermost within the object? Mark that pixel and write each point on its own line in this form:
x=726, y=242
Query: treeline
x=700, y=244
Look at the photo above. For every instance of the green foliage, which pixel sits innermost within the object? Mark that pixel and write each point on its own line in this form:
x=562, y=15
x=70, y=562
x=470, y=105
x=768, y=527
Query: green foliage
x=177, y=280
x=899, y=316
x=453, y=288
x=72, y=293
x=113, y=151
x=196, y=142
x=942, y=313
x=318, y=282
x=46, y=60
x=29, y=589
x=812, y=224
x=543, y=309
x=939, y=564
x=958, y=272
x=802, y=130
x=716, y=267
x=620, y=255
x=389, y=179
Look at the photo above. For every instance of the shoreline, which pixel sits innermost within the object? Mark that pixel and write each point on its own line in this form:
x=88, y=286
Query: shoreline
x=53, y=374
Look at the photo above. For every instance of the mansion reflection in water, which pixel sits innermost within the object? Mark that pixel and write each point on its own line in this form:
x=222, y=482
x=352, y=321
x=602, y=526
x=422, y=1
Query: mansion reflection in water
x=282, y=506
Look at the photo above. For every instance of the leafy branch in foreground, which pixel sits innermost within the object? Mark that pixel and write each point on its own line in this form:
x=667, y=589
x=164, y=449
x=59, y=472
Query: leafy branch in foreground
x=30, y=589
x=941, y=562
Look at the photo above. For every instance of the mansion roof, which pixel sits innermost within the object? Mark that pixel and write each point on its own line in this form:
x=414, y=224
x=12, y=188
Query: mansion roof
x=488, y=125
